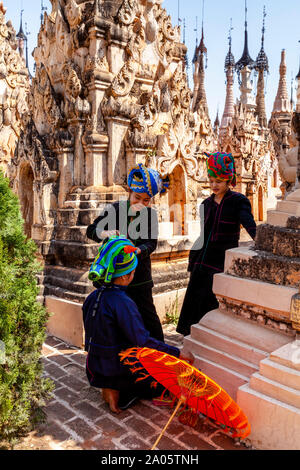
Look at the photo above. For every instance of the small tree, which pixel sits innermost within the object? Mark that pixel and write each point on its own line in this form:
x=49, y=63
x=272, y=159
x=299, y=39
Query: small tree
x=23, y=389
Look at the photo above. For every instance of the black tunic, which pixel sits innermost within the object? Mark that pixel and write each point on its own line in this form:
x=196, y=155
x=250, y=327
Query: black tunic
x=116, y=217
x=221, y=232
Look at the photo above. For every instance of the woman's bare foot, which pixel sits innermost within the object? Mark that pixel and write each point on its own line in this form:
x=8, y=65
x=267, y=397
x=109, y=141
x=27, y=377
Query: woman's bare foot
x=111, y=397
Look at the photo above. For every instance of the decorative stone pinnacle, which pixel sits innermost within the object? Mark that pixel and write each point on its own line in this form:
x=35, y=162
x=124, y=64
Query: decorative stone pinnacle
x=262, y=62
x=298, y=74
x=2, y=8
x=229, y=61
x=245, y=60
x=21, y=34
x=282, y=101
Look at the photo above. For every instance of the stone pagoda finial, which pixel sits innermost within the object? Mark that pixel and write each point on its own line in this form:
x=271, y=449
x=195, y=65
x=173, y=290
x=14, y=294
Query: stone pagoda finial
x=2, y=8
x=245, y=60
x=229, y=69
x=262, y=66
x=21, y=36
x=199, y=95
x=217, y=123
x=282, y=101
x=244, y=66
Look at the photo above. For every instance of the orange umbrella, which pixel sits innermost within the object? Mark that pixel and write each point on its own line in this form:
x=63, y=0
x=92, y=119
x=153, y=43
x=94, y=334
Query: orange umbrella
x=195, y=390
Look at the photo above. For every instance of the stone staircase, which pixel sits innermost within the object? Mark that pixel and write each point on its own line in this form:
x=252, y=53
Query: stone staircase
x=231, y=355
x=271, y=400
x=290, y=207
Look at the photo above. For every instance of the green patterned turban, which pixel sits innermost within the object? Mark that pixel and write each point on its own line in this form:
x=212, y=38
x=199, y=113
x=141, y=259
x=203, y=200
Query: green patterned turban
x=116, y=258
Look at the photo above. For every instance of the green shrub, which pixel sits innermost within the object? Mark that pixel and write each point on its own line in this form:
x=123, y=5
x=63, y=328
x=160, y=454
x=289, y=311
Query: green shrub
x=23, y=389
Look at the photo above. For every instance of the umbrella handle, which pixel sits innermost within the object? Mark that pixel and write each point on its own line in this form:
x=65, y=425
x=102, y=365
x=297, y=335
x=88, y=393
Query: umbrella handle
x=180, y=402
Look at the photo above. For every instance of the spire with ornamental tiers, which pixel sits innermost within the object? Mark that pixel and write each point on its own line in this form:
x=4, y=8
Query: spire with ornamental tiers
x=199, y=95
x=21, y=36
x=262, y=66
x=282, y=100
x=244, y=66
x=245, y=60
x=229, y=70
x=217, y=123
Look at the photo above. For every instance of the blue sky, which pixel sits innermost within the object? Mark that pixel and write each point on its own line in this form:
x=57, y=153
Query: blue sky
x=282, y=32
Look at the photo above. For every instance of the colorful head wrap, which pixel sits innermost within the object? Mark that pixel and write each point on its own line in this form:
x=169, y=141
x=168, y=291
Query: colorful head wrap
x=147, y=180
x=222, y=166
x=116, y=258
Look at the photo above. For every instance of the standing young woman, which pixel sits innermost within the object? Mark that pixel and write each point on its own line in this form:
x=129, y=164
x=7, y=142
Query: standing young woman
x=138, y=222
x=224, y=212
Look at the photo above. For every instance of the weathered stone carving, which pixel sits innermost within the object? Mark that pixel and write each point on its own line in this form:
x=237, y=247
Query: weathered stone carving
x=110, y=91
x=14, y=85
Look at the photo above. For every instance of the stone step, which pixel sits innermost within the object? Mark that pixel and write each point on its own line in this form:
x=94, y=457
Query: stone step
x=278, y=218
x=67, y=284
x=294, y=223
x=71, y=253
x=70, y=273
x=227, y=345
x=279, y=373
x=226, y=378
x=165, y=276
x=275, y=425
x=64, y=294
x=72, y=217
x=76, y=234
x=275, y=299
x=291, y=207
x=288, y=355
x=263, y=266
x=281, y=241
x=275, y=390
x=250, y=333
x=220, y=357
x=160, y=287
x=108, y=197
x=294, y=196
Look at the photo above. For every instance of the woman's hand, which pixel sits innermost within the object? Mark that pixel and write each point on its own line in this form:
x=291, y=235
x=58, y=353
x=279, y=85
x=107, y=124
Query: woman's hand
x=109, y=233
x=187, y=356
x=136, y=208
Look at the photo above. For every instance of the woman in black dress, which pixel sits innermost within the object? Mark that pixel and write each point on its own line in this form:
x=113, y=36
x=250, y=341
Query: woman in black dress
x=224, y=212
x=137, y=221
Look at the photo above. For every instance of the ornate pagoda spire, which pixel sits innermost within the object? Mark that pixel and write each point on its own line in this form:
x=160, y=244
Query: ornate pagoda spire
x=229, y=70
x=43, y=9
x=245, y=60
x=244, y=67
x=217, y=123
x=262, y=66
x=21, y=36
x=282, y=101
x=199, y=95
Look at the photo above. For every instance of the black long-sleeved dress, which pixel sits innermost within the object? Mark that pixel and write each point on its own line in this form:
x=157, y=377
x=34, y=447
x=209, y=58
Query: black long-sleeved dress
x=117, y=217
x=221, y=232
